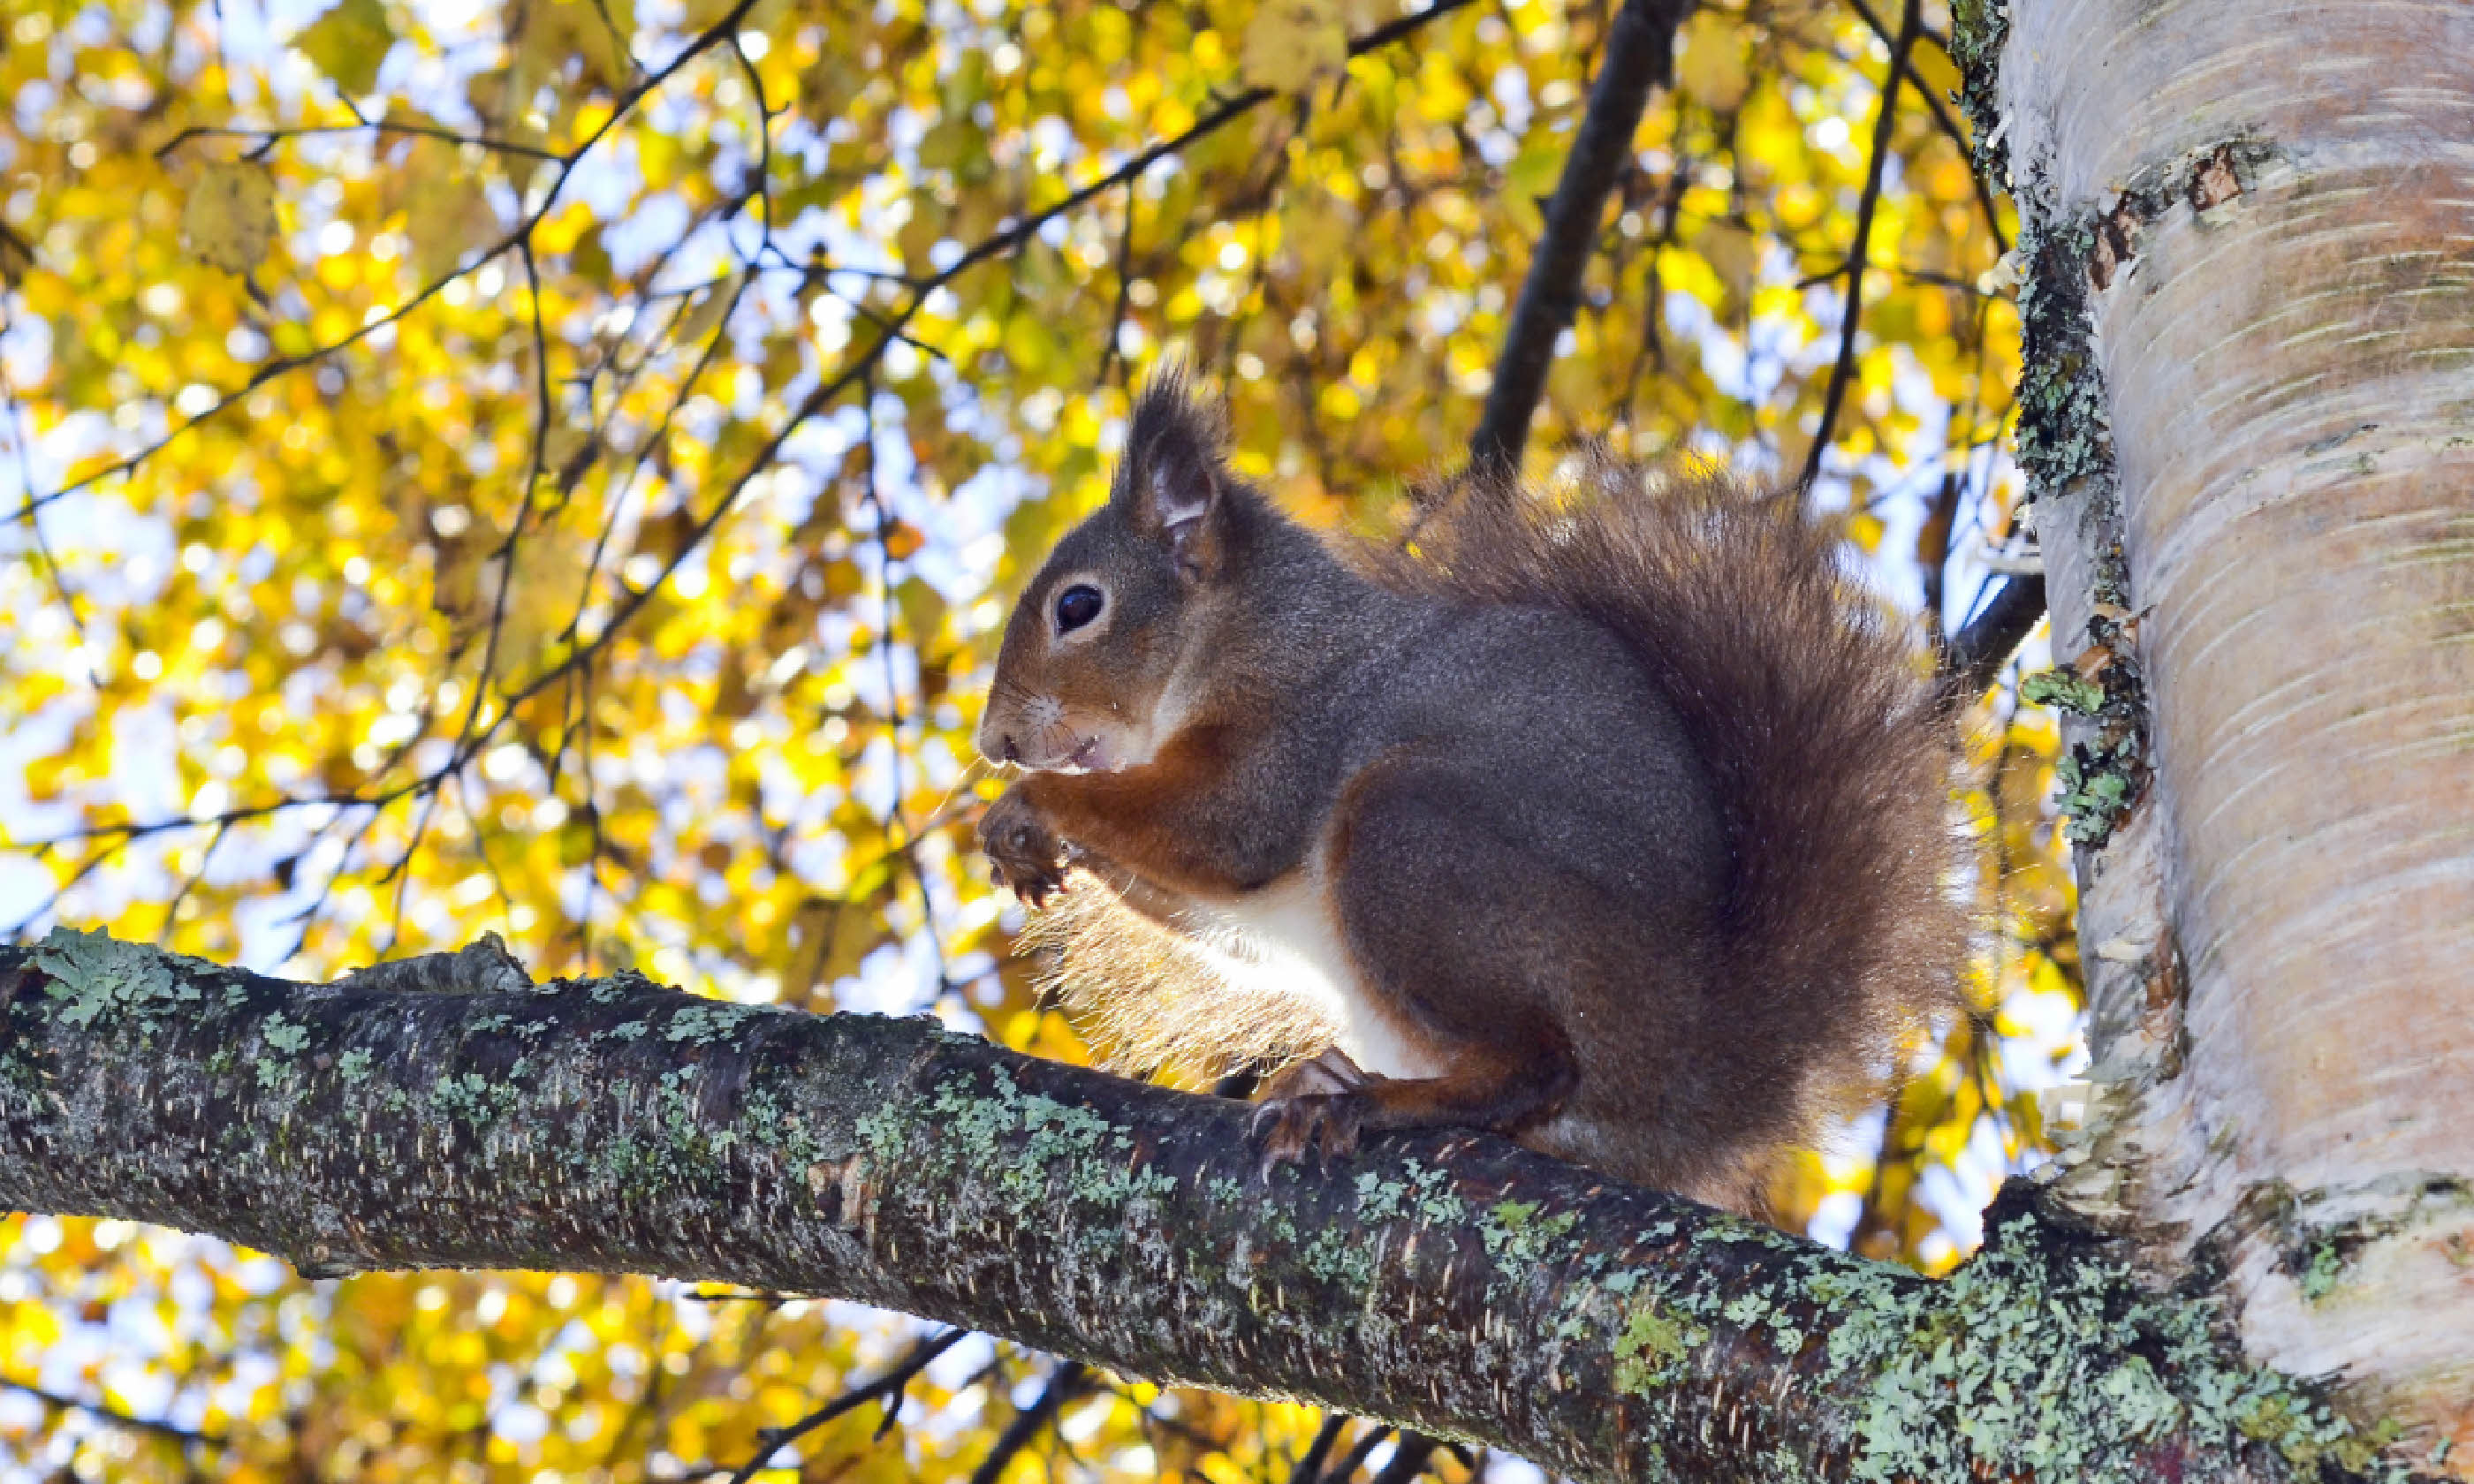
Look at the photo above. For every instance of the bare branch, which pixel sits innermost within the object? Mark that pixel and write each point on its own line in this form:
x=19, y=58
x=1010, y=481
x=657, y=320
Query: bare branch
x=1949, y=124
x=380, y=128
x=1842, y=372
x=887, y=1388
x=725, y=29
x=1977, y=652
x=115, y=1417
x=1640, y=53
x=1070, y=1379
x=477, y=733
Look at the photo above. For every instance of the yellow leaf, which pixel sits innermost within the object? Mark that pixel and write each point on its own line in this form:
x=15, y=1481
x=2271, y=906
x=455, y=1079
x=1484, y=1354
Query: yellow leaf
x=1290, y=42
x=563, y=228
x=547, y=585
x=1360, y=16
x=564, y=444
x=923, y=610
x=706, y=312
x=574, y=842
x=1691, y=274
x=1711, y=69
x=1732, y=254
x=348, y=43
x=551, y=32
x=826, y=88
x=763, y=15
x=1538, y=165
x=230, y=219
x=902, y=542
x=446, y=216
x=826, y=942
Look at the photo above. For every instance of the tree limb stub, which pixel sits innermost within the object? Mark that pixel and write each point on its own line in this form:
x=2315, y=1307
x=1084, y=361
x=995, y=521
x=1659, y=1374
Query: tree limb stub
x=1973, y=657
x=1454, y=1283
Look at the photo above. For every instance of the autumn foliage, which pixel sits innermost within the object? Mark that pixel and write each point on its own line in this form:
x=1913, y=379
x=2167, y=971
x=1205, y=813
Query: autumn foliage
x=558, y=468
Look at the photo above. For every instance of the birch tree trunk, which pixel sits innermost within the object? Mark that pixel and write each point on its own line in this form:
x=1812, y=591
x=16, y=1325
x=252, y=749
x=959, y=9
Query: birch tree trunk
x=2248, y=229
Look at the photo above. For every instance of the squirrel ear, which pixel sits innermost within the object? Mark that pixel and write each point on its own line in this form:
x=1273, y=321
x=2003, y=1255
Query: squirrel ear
x=1172, y=479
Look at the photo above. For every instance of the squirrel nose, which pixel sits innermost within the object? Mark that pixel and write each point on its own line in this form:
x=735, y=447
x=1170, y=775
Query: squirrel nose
x=1012, y=754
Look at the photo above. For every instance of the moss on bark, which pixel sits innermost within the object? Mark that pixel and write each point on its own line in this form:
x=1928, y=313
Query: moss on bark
x=1451, y=1283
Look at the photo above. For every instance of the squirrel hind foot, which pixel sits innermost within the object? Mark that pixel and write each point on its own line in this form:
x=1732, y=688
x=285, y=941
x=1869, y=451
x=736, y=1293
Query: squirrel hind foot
x=1328, y=1070
x=1290, y=1124
x=1317, y=1102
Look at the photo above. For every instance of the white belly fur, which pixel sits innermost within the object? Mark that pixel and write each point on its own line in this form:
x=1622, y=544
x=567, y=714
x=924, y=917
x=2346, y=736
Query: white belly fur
x=1283, y=940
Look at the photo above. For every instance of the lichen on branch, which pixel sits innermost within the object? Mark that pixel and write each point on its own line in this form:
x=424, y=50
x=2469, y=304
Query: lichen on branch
x=1454, y=1283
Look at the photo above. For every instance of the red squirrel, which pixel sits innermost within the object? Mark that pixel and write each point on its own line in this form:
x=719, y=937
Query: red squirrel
x=1611, y=818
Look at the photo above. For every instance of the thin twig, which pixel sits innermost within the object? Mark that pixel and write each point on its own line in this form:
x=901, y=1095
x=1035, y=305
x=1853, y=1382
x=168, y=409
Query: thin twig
x=1949, y=126
x=890, y=1385
x=46, y=561
x=476, y=735
x=267, y=137
x=720, y=31
x=1842, y=372
x=1983, y=644
x=1069, y=1380
x=117, y=1418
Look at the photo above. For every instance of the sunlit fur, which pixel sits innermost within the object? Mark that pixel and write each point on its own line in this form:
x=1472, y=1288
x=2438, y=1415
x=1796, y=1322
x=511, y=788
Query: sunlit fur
x=1148, y=1003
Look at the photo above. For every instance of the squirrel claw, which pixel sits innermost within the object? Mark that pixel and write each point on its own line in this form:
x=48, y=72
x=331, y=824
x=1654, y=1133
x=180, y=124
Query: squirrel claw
x=1022, y=853
x=1033, y=881
x=1289, y=1125
x=1036, y=891
x=1319, y=1100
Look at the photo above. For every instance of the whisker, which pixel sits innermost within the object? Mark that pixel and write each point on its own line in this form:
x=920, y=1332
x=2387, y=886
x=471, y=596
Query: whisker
x=952, y=808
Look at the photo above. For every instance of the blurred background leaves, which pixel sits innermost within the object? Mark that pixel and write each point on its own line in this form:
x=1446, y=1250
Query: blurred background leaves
x=559, y=468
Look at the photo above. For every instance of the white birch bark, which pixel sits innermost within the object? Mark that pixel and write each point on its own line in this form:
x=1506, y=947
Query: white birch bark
x=2270, y=204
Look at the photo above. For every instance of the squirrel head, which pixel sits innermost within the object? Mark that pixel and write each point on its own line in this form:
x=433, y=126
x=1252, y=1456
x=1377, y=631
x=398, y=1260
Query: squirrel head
x=1084, y=680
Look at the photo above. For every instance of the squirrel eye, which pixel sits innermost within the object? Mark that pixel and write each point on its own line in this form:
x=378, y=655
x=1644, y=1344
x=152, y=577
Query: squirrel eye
x=1077, y=606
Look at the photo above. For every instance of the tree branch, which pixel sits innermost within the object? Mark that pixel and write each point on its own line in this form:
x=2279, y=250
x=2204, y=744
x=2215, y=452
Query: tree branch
x=1071, y=1380
x=1640, y=52
x=1842, y=371
x=724, y=28
x=887, y=1388
x=115, y=1417
x=1448, y=1282
x=1949, y=124
x=576, y=658
x=1975, y=653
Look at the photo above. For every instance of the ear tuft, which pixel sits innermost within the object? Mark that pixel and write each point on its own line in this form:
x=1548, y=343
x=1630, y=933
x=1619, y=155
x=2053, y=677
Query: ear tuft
x=1173, y=475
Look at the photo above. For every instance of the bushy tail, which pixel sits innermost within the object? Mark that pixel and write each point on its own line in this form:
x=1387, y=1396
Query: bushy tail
x=1811, y=711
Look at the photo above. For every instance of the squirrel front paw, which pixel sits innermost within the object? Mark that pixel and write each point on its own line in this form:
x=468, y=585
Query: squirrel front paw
x=1025, y=853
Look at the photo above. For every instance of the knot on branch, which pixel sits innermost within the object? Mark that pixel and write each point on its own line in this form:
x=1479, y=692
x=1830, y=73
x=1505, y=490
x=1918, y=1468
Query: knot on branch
x=483, y=966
